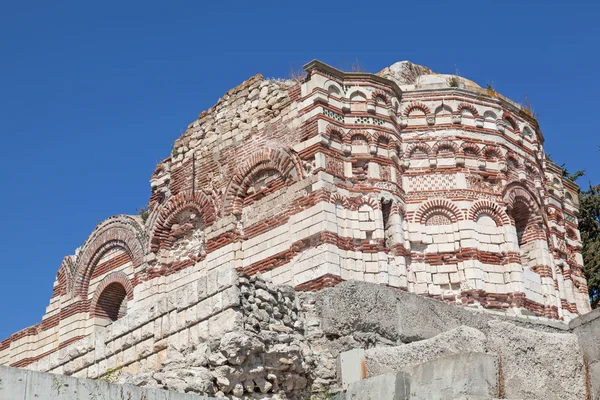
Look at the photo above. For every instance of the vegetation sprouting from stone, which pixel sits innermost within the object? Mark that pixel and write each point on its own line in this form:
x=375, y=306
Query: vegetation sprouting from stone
x=144, y=212
x=453, y=81
x=490, y=90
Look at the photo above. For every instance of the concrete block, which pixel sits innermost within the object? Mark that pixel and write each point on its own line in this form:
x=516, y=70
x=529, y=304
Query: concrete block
x=20, y=384
x=352, y=367
x=13, y=385
x=460, y=376
x=392, y=386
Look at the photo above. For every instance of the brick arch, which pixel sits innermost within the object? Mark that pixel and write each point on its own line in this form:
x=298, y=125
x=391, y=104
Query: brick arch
x=527, y=132
x=469, y=107
x=64, y=277
x=488, y=207
x=444, y=144
x=510, y=156
x=416, y=106
x=365, y=200
x=383, y=136
x=491, y=150
x=516, y=192
x=167, y=214
x=120, y=232
x=333, y=84
x=512, y=121
x=436, y=206
x=417, y=146
x=398, y=208
x=358, y=132
x=260, y=161
x=335, y=197
x=380, y=93
x=333, y=130
x=470, y=146
x=518, y=200
x=111, y=279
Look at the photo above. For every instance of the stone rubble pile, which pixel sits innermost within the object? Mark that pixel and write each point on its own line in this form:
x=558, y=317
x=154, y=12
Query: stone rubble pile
x=267, y=358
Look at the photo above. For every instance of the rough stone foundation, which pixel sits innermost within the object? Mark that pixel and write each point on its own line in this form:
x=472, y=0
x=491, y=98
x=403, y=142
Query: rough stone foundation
x=255, y=340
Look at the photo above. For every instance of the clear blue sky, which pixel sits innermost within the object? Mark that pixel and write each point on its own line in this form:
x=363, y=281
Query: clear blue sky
x=93, y=94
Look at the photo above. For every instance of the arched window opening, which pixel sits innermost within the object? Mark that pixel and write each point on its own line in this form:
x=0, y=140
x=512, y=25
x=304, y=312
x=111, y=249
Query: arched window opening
x=418, y=153
x=490, y=116
x=556, y=182
x=526, y=215
x=445, y=151
x=416, y=112
x=359, y=140
x=112, y=303
x=492, y=155
x=380, y=100
x=333, y=90
x=465, y=112
x=470, y=152
x=569, y=197
x=509, y=124
x=383, y=142
x=521, y=215
x=335, y=136
x=358, y=96
x=358, y=102
x=386, y=211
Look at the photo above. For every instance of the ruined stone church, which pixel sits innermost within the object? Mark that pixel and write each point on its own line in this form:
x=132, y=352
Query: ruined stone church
x=405, y=181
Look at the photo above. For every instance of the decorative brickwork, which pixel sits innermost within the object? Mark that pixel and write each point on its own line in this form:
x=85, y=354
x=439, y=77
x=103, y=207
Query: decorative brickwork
x=338, y=177
x=416, y=106
x=438, y=207
x=490, y=208
x=466, y=108
x=198, y=201
x=109, y=296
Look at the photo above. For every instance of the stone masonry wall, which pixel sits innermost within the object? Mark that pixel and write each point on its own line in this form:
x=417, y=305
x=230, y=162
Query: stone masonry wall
x=239, y=337
x=406, y=178
x=246, y=338
x=20, y=384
